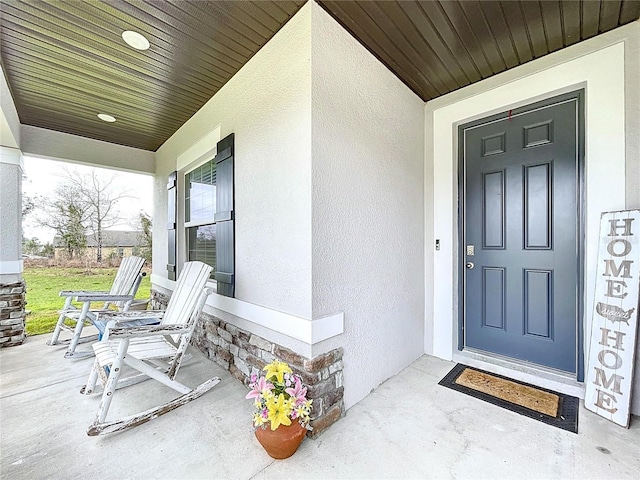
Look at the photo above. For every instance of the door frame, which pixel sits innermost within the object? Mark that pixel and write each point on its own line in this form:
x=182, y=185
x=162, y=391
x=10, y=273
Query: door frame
x=578, y=95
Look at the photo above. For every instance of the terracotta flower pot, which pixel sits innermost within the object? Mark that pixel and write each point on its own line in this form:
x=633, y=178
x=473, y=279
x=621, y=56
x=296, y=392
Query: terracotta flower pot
x=283, y=441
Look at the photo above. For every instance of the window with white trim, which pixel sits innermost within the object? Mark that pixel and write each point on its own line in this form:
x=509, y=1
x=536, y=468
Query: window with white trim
x=208, y=217
x=200, y=209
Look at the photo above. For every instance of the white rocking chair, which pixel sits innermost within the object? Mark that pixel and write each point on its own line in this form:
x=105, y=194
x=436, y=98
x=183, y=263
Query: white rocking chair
x=122, y=293
x=156, y=351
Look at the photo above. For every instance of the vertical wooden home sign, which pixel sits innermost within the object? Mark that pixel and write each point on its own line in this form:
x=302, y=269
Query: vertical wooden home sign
x=615, y=317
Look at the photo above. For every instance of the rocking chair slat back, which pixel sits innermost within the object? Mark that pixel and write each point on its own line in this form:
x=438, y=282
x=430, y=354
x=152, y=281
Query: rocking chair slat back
x=188, y=288
x=127, y=279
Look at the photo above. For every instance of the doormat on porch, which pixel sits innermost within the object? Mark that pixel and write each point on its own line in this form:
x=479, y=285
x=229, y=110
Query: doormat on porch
x=543, y=405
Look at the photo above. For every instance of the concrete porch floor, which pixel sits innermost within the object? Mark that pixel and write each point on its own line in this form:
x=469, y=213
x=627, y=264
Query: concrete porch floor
x=409, y=427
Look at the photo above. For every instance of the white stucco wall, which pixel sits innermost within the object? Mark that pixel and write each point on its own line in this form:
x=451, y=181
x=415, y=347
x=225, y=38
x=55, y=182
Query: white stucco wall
x=607, y=67
x=313, y=80
x=49, y=144
x=267, y=105
x=11, y=168
x=9, y=120
x=368, y=207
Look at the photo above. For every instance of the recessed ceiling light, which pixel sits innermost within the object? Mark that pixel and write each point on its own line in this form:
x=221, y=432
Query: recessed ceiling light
x=106, y=118
x=135, y=40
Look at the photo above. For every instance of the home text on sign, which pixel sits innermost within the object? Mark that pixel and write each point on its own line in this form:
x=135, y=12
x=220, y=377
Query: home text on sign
x=615, y=314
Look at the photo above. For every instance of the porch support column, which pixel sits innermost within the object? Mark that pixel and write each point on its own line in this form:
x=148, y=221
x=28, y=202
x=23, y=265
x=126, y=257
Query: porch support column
x=12, y=286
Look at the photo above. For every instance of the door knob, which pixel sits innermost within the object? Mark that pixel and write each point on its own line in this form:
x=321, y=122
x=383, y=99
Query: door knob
x=470, y=265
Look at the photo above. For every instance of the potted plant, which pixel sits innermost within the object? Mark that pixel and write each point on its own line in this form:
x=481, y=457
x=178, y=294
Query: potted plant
x=282, y=412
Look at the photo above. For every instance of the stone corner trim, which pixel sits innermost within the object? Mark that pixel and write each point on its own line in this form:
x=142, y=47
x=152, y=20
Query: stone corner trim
x=243, y=353
x=12, y=314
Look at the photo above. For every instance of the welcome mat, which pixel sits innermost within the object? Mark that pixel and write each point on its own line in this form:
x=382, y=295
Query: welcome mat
x=534, y=402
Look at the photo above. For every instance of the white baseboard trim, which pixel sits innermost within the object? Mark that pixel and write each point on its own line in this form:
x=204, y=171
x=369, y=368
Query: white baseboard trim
x=305, y=330
x=11, y=156
x=11, y=267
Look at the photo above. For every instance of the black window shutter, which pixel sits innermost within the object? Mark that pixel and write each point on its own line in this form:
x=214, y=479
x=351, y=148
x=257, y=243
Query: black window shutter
x=225, y=248
x=171, y=224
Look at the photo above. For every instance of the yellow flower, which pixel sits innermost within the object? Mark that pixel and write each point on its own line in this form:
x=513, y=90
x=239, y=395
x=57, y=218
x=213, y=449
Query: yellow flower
x=258, y=421
x=278, y=411
x=302, y=413
x=277, y=369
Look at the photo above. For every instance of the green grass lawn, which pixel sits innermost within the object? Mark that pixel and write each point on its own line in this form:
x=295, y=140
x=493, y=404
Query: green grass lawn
x=44, y=284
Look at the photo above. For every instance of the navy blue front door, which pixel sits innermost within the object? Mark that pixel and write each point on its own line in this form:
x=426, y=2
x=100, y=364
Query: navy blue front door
x=520, y=234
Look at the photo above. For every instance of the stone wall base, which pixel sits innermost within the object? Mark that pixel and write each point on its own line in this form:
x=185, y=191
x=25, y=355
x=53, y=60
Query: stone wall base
x=243, y=353
x=12, y=314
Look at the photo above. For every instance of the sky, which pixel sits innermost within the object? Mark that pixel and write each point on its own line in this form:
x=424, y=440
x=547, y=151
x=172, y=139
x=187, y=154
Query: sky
x=42, y=178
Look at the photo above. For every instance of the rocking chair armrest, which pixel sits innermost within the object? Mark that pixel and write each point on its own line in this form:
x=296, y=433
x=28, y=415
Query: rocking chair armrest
x=105, y=297
x=147, y=331
x=83, y=293
x=92, y=310
x=120, y=317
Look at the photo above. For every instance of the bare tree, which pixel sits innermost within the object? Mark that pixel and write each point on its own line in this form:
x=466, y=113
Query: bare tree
x=99, y=197
x=31, y=246
x=145, y=235
x=81, y=203
x=67, y=215
x=28, y=203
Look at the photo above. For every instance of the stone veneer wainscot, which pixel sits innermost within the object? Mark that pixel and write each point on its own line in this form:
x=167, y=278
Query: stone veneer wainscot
x=243, y=353
x=12, y=314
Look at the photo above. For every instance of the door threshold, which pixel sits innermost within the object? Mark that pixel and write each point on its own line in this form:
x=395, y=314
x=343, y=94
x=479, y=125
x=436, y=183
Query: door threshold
x=537, y=375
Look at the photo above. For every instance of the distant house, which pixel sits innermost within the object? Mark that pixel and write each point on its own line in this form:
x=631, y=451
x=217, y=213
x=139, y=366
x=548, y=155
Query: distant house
x=115, y=243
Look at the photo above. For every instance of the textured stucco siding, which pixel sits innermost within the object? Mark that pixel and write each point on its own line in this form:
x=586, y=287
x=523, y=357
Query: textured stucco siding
x=267, y=105
x=368, y=207
x=45, y=143
x=10, y=212
x=9, y=120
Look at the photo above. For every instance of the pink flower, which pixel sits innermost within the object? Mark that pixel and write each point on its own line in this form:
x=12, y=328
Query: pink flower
x=260, y=386
x=298, y=391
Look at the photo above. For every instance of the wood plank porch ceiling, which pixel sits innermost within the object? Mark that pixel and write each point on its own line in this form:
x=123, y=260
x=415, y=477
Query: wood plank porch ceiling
x=436, y=47
x=66, y=62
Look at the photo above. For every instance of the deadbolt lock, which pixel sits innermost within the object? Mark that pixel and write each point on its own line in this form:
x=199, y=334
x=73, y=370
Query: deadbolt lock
x=470, y=250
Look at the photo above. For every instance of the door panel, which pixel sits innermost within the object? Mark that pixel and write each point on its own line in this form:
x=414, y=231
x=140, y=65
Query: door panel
x=520, y=213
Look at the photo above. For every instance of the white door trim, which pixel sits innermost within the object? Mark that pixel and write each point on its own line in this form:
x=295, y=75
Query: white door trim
x=604, y=180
